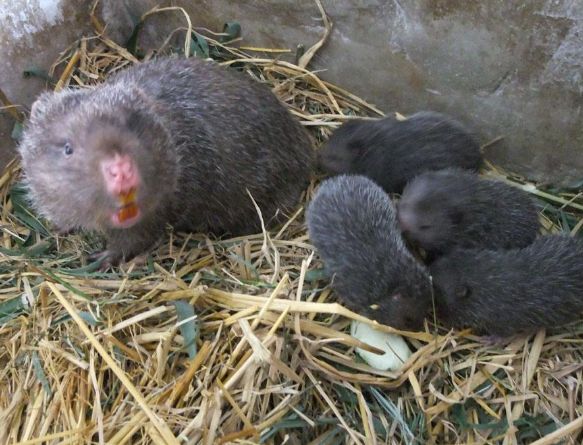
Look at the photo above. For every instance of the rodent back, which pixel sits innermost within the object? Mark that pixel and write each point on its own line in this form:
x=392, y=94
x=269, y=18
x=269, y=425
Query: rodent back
x=392, y=152
x=509, y=291
x=351, y=222
x=454, y=207
x=234, y=135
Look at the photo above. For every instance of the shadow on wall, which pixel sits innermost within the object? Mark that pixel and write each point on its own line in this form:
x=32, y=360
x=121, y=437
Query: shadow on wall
x=507, y=70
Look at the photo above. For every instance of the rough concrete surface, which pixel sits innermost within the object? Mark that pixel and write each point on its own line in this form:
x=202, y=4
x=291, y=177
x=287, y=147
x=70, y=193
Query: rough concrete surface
x=512, y=69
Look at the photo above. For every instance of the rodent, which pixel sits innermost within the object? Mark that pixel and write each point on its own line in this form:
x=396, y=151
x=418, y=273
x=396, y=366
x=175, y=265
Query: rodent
x=507, y=292
x=352, y=224
x=392, y=152
x=170, y=141
x=456, y=208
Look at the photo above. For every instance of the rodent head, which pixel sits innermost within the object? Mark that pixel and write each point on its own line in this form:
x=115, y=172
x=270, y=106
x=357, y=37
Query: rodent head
x=344, y=148
x=407, y=306
x=96, y=159
x=448, y=279
x=403, y=294
x=428, y=214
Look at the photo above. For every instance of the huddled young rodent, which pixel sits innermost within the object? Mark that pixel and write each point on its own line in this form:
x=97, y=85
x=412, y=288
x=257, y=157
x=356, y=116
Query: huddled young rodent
x=352, y=223
x=392, y=152
x=456, y=208
x=506, y=292
x=171, y=141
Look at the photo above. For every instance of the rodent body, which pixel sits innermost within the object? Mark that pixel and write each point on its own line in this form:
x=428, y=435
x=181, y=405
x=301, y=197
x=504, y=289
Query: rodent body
x=455, y=208
x=507, y=292
x=352, y=223
x=393, y=152
x=171, y=141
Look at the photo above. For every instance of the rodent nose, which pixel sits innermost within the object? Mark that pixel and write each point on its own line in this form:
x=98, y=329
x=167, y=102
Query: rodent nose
x=405, y=220
x=120, y=174
x=120, y=169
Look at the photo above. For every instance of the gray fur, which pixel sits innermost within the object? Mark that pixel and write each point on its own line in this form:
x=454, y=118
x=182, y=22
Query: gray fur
x=455, y=208
x=201, y=134
x=351, y=222
x=392, y=152
x=502, y=293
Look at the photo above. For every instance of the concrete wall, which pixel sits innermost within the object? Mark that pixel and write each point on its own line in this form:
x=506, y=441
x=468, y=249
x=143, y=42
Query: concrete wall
x=511, y=69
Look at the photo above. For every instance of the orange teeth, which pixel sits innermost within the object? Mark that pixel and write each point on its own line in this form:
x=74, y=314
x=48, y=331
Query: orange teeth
x=129, y=208
x=128, y=212
x=127, y=198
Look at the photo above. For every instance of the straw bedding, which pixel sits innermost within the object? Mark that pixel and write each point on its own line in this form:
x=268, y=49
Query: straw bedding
x=241, y=340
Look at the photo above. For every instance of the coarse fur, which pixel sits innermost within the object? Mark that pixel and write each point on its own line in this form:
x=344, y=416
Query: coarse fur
x=456, y=208
x=351, y=222
x=203, y=137
x=507, y=292
x=392, y=152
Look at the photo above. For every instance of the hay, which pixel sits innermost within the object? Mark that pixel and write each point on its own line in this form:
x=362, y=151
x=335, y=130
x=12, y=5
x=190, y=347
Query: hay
x=265, y=356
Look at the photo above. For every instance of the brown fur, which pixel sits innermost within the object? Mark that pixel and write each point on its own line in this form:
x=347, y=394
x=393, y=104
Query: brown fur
x=201, y=135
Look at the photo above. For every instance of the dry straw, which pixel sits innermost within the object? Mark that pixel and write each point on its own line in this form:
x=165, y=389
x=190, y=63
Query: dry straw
x=240, y=341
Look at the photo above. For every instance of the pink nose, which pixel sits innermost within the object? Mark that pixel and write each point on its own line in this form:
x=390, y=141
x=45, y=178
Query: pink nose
x=406, y=220
x=120, y=174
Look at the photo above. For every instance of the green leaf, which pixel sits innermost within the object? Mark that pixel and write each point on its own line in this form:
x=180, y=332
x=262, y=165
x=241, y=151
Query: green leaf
x=40, y=374
x=315, y=275
x=132, y=43
x=65, y=284
x=392, y=410
x=294, y=422
x=300, y=51
x=29, y=250
x=40, y=249
x=12, y=308
x=10, y=252
x=22, y=210
x=37, y=72
x=460, y=416
x=83, y=271
x=189, y=330
x=199, y=47
x=249, y=265
x=89, y=318
x=232, y=31
x=565, y=222
x=17, y=131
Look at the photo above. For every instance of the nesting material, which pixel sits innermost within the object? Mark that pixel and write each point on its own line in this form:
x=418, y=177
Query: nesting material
x=240, y=340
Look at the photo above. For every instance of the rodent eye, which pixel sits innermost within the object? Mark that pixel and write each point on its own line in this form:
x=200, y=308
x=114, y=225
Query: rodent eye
x=425, y=227
x=463, y=291
x=68, y=149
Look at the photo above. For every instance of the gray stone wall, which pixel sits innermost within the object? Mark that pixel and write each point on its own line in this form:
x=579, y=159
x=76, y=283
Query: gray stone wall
x=509, y=69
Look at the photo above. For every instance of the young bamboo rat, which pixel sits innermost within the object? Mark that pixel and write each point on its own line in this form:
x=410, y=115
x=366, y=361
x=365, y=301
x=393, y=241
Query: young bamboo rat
x=455, y=208
x=352, y=223
x=392, y=152
x=507, y=292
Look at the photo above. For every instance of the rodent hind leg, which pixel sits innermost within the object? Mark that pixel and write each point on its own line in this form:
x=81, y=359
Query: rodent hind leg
x=107, y=259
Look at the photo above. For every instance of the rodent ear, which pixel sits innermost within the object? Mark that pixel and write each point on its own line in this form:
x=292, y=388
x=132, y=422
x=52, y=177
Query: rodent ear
x=351, y=132
x=40, y=105
x=462, y=292
x=457, y=217
x=356, y=147
x=48, y=100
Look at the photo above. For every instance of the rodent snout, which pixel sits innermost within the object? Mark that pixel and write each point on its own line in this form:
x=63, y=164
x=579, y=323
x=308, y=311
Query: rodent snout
x=120, y=174
x=406, y=220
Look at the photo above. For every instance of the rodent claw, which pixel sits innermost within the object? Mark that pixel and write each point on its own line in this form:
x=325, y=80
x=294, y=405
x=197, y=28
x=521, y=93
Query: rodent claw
x=107, y=258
